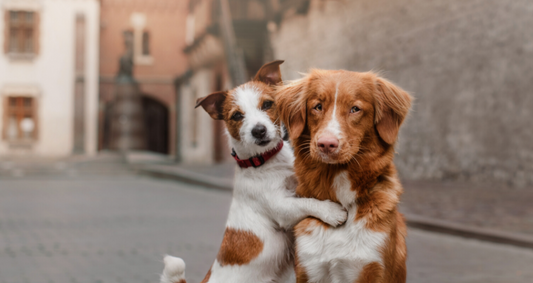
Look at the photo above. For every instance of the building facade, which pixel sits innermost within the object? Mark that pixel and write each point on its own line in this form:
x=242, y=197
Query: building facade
x=200, y=136
x=49, y=77
x=227, y=43
x=467, y=63
x=157, y=28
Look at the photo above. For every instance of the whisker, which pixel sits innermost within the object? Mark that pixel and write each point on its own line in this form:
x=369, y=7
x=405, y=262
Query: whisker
x=355, y=158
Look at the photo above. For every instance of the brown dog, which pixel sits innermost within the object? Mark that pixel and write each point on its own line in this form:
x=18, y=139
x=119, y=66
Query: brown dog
x=343, y=126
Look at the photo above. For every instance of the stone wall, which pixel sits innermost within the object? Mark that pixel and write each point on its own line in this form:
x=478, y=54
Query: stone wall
x=468, y=63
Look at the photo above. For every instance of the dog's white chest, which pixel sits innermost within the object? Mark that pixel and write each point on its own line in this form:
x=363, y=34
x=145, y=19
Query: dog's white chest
x=339, y=254
x=343, y=189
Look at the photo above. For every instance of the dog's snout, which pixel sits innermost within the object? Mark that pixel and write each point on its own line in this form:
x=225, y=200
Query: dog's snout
x=259, y=131
x=328, y=144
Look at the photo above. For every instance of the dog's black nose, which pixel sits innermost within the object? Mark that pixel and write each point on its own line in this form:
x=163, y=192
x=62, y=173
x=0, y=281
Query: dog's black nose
x=259, y=131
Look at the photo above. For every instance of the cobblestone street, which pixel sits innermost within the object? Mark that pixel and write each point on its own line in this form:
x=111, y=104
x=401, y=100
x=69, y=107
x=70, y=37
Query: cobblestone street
x=102, y=228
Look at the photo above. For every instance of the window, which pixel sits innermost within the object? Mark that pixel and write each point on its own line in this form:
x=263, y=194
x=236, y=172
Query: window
x=19, y=119
x=142, y=51
x=146, y=44
x=21, y=38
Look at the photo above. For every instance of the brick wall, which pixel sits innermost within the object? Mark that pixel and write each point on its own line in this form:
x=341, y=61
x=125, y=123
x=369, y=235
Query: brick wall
x=468, y=63
x=165, y=21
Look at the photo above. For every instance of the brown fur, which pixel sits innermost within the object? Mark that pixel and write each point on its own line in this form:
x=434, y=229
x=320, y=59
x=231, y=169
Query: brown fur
x=366, y=152
x=239, y=247
x=310, y=222
x=229, y=107
x=269, y=73
x=394, y=252
x=301, y=276
x=371, y=273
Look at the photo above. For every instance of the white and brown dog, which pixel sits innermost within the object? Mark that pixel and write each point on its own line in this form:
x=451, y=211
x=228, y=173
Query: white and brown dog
x=257, y=245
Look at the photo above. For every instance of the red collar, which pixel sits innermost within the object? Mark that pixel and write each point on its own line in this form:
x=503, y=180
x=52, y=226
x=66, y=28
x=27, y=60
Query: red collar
x=258, y=160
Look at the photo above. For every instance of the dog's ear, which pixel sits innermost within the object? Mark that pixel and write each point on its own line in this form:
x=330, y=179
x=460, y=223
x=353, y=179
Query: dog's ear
x=291, y=102
x=269, y=73
x=392, y=106
x=213, y=104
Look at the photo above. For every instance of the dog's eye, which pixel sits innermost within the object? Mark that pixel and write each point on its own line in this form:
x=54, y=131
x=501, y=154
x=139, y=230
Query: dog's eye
x=355, y=109
x=237, y=116
x=318, y=107
x=267, y=105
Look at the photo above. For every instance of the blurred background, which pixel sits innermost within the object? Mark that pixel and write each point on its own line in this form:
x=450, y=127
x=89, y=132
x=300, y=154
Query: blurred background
x=97, y=109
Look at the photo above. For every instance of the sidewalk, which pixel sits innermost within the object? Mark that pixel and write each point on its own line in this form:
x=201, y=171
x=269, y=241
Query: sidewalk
x=485, y=212
x=219, y=176
x=31, y=167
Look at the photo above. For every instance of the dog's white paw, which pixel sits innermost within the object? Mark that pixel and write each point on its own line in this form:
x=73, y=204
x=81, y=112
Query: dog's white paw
x=174, y=271
x=335, y=214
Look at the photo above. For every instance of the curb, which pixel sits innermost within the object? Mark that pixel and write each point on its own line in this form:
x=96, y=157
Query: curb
x=413, y=221
x=462, y=230
x=183, y=175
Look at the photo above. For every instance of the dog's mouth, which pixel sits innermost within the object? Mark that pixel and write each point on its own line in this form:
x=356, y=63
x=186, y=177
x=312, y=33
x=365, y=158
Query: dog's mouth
x=329, y=158
x=262, y=142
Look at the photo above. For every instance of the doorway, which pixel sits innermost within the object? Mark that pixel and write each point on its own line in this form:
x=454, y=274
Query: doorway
x=156, y=124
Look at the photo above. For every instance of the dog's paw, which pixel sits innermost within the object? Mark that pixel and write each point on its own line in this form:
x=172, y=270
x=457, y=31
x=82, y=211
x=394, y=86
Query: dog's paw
x=336, y=214
x=174, y=271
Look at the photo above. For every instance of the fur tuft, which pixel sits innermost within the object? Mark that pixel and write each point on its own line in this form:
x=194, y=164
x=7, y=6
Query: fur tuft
x=174, y=271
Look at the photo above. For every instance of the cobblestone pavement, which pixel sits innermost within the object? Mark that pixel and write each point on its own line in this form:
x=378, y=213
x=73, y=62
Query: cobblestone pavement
x=104, y=229
x=99, y=228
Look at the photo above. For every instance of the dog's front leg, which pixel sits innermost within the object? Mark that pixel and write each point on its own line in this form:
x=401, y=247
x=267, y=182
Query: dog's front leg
x=291, y=210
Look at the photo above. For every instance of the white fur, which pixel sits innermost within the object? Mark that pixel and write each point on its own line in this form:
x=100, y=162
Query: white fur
x=338, y=255
x=333, y=126
x=264, y=202
x=174, y=270
x=343, y=190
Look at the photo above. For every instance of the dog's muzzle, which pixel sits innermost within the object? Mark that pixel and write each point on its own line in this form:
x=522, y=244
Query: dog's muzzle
x=259, y=132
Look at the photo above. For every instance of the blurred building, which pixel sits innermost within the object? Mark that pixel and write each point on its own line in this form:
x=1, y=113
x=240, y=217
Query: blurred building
x=227, y=42
x=158, y=31
x=48, y=76
x=468, y=64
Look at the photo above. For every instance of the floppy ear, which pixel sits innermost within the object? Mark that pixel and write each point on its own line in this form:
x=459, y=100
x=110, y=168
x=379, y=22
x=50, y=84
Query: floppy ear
x=392, y=106
x=269, y=73
x=212, y=104
x=291, y=102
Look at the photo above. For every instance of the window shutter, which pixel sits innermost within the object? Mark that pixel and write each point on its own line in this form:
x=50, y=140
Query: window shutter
x=21, y=36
